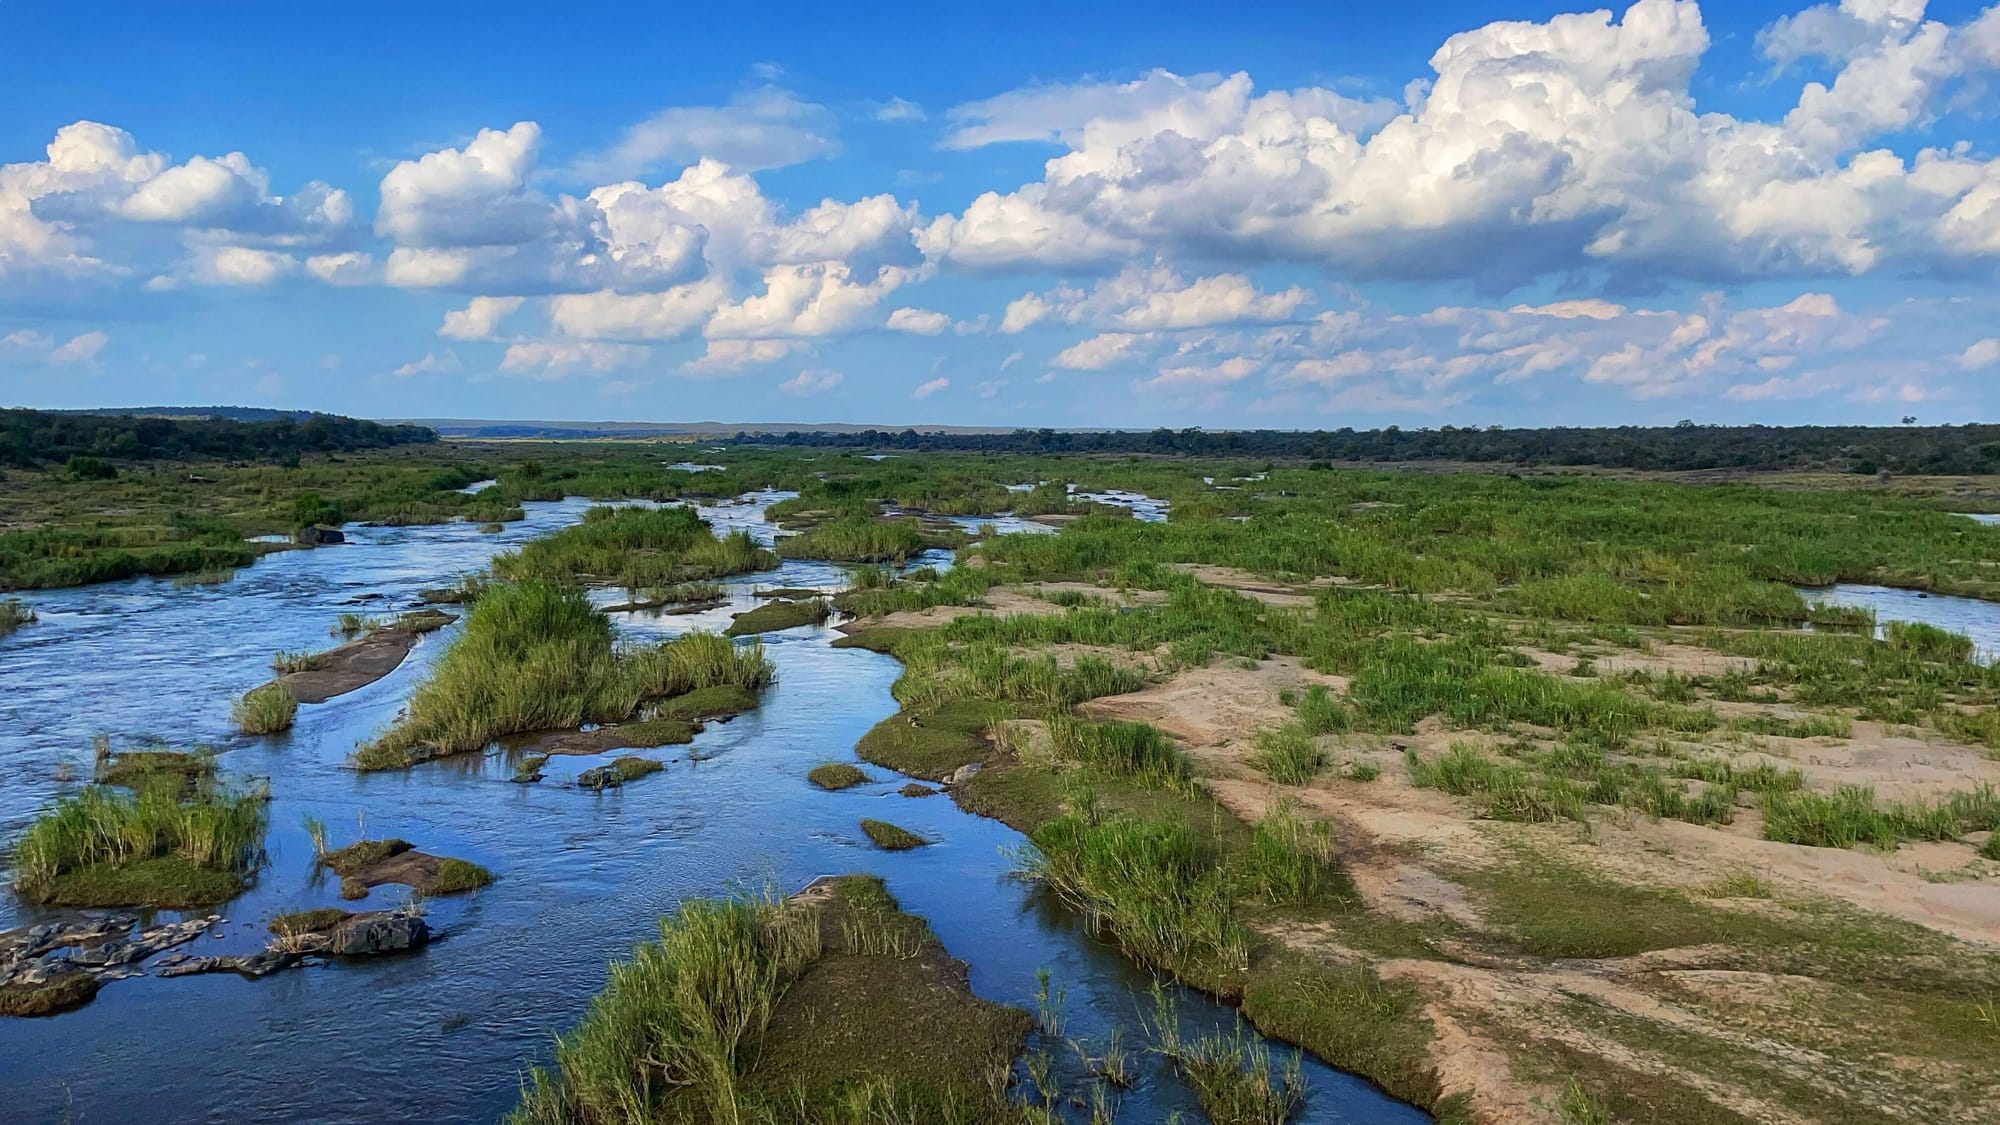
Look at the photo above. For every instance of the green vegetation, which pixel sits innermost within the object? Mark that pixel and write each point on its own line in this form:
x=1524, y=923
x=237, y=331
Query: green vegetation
x=1230, y=1071
x=265, y=710
x=158, y=846
x=311, y=921
x=617, y=773
x=931, y=742
x=1851, y=816
x=455, y=876
x=636, y=547
x=857, y=539
x=363, y=854
x=58, y=994
x=176, y=770
x=766, y=1012
x=836, y=776
x=890, y=838
x=1288, y=755
x=775, y=615
x=37, y=437
x=14, y=613
x=537, y=656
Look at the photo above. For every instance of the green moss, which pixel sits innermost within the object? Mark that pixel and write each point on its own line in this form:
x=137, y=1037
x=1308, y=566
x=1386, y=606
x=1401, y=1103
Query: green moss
x=931, y=742
x=308, y=921
x=888, y=837
x=136, y=769
x=836, y=775
x=717, y=701
x=773, y=616
x=70, y=990
x=876, y=638
x=455, y=876
x=168, y=882
x=618, y=773
x=1349, y=1017
x=358, y=857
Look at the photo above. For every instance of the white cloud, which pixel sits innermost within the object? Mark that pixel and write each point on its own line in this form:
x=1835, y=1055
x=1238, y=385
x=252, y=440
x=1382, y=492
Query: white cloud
x=809, y=382
x=763, y=128
x=1984, y=353
x=607, y=315
x=550, y=359
x=918, y=322
x=240, y=265
x=898, y=109
x=926, y=390
x=1023, y=313
x=1012, y=359
x=432, y=363
x=344, y=269
x=479, y=318
x=79, y=349
x=735, y=355
x=1536, y=149
x=1099, y=351
x=820, y=299
x=475, y=196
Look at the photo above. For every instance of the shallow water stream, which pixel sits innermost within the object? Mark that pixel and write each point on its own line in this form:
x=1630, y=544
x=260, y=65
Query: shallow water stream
x=443, y=1035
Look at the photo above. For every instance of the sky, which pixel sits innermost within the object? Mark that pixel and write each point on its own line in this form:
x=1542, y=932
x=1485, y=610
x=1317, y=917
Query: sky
x=1272, y=215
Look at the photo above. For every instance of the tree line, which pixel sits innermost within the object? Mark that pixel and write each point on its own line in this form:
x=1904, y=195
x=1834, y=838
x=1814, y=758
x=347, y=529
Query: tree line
x=31, y=438
x=1967, y=449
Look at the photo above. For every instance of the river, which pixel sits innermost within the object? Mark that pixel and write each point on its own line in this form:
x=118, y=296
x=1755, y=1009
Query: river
x=444, y=1035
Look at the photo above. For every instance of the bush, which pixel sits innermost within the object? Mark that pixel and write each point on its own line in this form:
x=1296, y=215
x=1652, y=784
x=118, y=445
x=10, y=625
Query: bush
x=265, y=710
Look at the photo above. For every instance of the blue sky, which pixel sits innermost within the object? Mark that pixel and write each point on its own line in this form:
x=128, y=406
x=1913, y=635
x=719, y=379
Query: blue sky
x=1105, y=215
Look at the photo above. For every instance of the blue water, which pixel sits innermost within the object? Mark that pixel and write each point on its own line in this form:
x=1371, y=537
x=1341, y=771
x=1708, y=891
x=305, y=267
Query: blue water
x=443, y=1035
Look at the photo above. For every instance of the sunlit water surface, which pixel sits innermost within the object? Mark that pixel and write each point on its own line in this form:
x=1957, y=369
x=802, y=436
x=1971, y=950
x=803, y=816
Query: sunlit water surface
x=444, y=1035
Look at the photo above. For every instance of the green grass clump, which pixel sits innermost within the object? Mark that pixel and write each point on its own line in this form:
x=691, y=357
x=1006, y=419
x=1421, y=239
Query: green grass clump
x=858, y=539
x=930, y=742
x=1157, y=886
x=1287, y=754
x=1289, y=861
x=1928, y=642
x=455, y=876
x=1139, y=751
x=293, y=661
x=363, y=854
x=1500, y=790
x=618, y=773
x=636, y=547
x=775, y=615
x=889, y=837
x=179, y=770
x=1231, y=1072
x=158, y=846
x=533, y=656
x=14, y=613
x=680, y=1019
x=1850, y=817
x=1321, y=713
x=1349, y=1017
x=836, y=775
x=308, y=921
x=265, y=710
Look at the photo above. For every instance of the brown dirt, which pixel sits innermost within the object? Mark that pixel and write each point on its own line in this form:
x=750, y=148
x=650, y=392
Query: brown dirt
x=360, y=662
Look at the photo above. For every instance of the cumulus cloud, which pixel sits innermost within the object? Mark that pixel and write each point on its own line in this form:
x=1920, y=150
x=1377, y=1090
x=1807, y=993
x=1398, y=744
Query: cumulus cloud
x=764, y=128
x=79, y=218
x=1534, y=148
x=1099, y=352
x=1981, y=354
x=433, y=363
x=1156, y=299
x=811, y=382
x=479, y=318
x=344, y=269
x=240, y=265
x=918, y=322
x=723, y=356
x=926, y=390
x=549, y=359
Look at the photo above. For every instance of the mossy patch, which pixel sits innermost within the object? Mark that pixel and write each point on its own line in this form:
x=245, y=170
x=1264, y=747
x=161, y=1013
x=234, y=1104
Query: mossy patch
x=168, y=882
x=356, y=858
x=875, y=638
x=932, y=742
x=70, y=990
x=1348, y=1017
x=308, y=921
x=134, y=769
x=618, y=773
x=773, y=616
x=836, y=775
x=889, y=837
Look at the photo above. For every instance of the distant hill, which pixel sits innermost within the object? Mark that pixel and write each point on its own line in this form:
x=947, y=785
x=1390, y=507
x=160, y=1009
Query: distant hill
x=30, y=438
x=221, y=413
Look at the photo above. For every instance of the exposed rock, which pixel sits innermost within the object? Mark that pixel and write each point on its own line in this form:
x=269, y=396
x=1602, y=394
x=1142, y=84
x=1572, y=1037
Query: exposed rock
x=251, y=965
x=382, y=932
x=318, y=536
x=961, y=775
